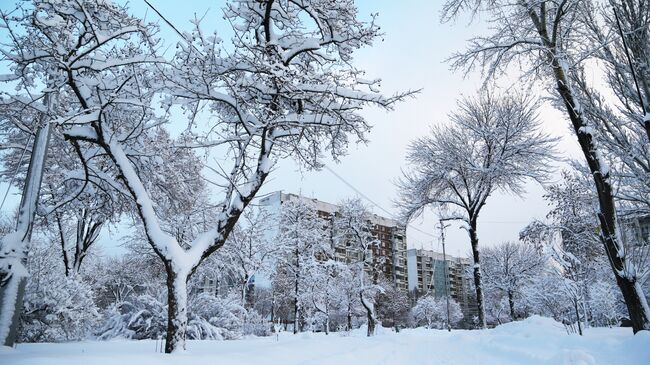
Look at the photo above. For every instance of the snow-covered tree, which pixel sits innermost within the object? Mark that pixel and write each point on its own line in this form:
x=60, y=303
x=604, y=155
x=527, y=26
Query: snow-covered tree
x=287, y=89
x=509, y=268
x=60, y=56
x=433, y=313
x=393, y=305
x=249, y=252
x=353, y=229
x=550, y=40
x=494, y=143
x=301, y=241
x=326, y=290
x=576, y=257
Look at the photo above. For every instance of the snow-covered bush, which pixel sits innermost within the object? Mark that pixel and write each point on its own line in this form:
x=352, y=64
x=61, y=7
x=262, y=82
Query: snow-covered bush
x=227, y=314
x=210, y=318
x=255, y=324
x=141, y=317
x=604, y=304
x=432, y=313
x=56, y=307
x=59, y=309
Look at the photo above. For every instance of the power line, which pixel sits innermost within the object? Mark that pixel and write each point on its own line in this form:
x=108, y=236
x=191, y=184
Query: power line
x=364, y=196
x=370, y=200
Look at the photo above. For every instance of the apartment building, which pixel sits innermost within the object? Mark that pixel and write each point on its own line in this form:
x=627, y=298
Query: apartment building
x=429, y=271
x=391, y=235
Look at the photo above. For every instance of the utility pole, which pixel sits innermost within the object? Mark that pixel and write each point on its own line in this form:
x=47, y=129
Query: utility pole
x=13, y=246
x=442, y=227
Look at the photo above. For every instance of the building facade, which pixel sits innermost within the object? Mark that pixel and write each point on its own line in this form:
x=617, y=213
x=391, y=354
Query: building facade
x=391, y=250
x=431, y=273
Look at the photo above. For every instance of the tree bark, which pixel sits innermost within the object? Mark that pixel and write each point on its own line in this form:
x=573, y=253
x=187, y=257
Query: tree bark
x=176, y=309
x=296, y=310
x=370, y=315
x=327, y=324
x=633, y=295
x=350, y=315
x=477, y=274
x=249, y=298
x=511, y=302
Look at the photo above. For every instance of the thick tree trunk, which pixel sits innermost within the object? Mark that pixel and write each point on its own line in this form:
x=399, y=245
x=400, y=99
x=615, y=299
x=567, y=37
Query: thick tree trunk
x=247, y=293
x=327, y=324
x=176, y=309
x=370, y=315
x=628, y=283
x=249, y=297
x=477, y=274
x=511, y=302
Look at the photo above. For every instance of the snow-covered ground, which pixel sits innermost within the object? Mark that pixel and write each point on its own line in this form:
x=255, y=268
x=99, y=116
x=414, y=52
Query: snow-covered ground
x=533, y=341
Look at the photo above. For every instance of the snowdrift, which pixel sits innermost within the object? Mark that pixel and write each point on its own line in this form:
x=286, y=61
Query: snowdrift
x=536, y=340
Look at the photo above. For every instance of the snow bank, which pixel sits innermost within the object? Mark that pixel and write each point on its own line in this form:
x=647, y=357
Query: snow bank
x=533, y=341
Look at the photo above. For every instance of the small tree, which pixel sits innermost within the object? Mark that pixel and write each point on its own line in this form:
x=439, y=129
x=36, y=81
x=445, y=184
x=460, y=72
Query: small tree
x=393, y=305
x=301, y=240
x=249, y=252
x=433, y=312
x=494, y=144
x=353, y=229
x=509, y=268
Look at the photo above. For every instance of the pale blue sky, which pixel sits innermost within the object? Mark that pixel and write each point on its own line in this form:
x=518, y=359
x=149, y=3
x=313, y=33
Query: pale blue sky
x=411, y=56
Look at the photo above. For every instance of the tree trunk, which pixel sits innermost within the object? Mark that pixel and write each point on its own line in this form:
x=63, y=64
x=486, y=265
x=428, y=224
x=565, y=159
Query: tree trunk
x=14, y=246
x=575, y=307
x=296, y=303
x=296, y=310
x=350, y=315
x=250, y=296
x=327, y=324
x=273, y=313
x=511, y=302
x=477, y=274
x=628, y=283
x=370, y=315
x=248, y=293
x=176, y=309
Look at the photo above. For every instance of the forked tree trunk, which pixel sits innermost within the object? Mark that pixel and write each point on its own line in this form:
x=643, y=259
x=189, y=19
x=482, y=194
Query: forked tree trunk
x=478, y=284
x=370, y=315
x=176, y=309
x=628, y=283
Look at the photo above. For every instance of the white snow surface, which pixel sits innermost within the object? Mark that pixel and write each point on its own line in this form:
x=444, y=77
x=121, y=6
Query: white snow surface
x=533, y=341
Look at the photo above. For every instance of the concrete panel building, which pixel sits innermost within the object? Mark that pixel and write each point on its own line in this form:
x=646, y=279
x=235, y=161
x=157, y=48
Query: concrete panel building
x=392, y=237
x=428, y=272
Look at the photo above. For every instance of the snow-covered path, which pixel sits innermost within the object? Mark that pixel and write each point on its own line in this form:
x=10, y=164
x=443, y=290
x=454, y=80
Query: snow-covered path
x=534, y=341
